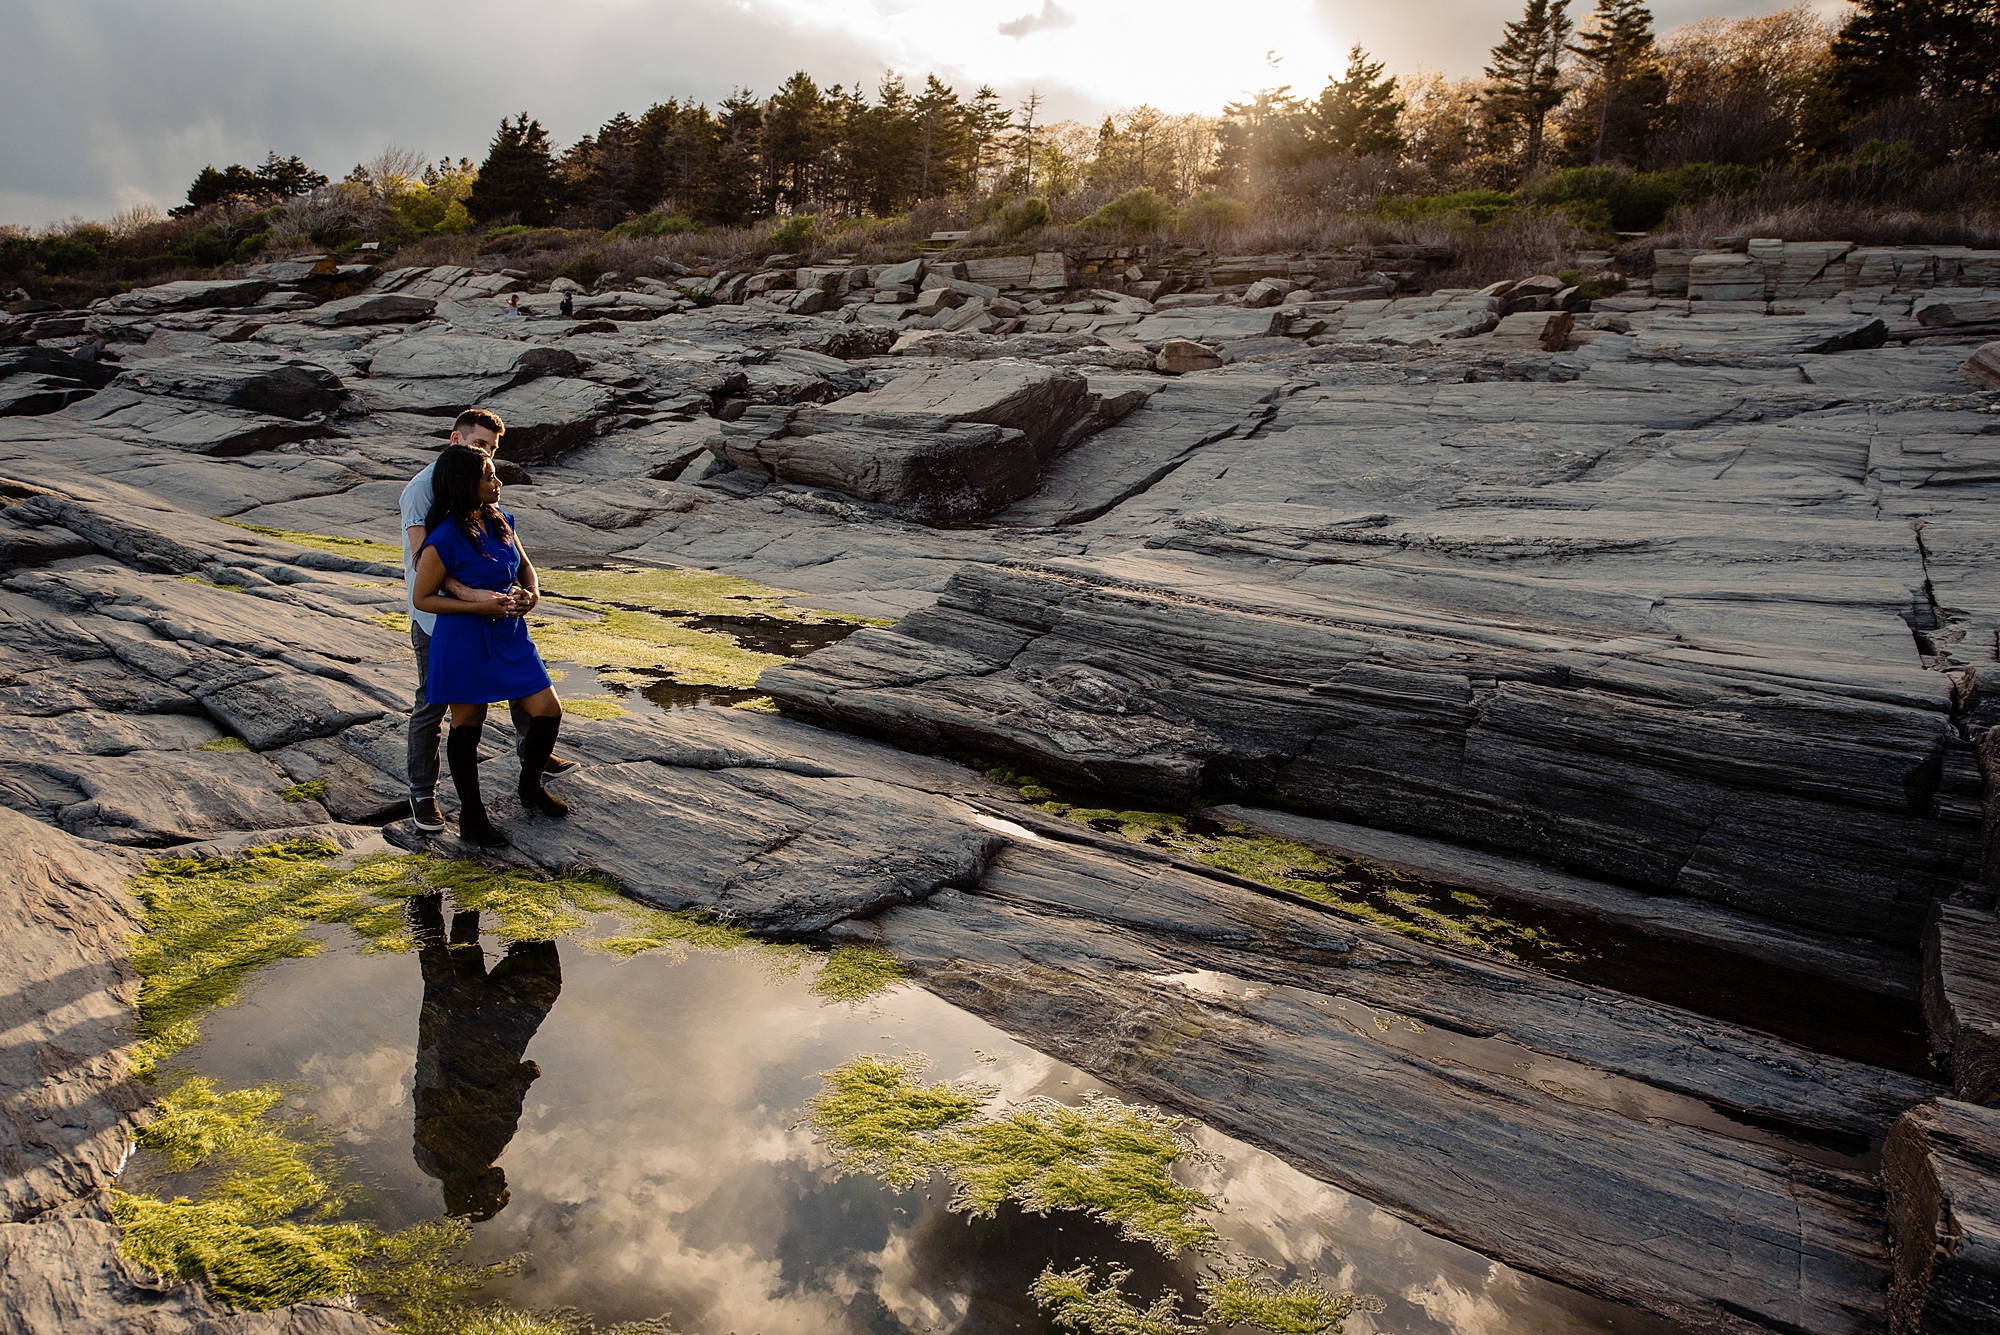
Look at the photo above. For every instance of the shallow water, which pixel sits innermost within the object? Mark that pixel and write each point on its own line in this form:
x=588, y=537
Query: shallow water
x=633, y=1127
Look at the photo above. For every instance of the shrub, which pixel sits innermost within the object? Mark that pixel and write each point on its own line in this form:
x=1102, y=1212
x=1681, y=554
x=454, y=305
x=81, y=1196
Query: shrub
x=1473, y=206
x=1023, y=216
x=1876, y=170
x=1134, y=213
x=1209, y=211
x=654, y=224
x=794, y=233
x=512, y=229
x=1628, y=201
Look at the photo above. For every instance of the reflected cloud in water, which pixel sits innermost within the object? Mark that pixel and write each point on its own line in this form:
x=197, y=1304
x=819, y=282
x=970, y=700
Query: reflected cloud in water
x=638, y=1138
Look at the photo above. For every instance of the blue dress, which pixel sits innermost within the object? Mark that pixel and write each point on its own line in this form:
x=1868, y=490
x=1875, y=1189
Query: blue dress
x=476, y=660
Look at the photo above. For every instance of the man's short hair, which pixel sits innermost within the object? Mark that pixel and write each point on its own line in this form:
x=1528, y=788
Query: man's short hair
x=485, y=417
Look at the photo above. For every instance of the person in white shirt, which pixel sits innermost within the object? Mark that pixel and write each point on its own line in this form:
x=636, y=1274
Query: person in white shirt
x=481, y=429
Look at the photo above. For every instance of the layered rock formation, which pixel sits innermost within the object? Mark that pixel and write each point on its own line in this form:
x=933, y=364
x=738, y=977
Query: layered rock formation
x=1683, y=628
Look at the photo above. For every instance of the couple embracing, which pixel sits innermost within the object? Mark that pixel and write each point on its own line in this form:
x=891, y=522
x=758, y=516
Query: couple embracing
x=470, y=586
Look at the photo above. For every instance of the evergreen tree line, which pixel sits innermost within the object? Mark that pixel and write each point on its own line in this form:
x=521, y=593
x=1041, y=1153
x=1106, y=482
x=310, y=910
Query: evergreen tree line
x=1921, y=78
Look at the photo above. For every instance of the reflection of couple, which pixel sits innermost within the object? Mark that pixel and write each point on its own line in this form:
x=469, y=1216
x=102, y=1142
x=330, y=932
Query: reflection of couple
x=474, y=1028
x=470, y=585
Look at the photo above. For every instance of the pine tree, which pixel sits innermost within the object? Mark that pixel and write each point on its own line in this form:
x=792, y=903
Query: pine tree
x=941, y=137
x=1618, y=44
x=1527, y=72
x=518, y=176
x=732, y=191
x=1944, y=50
x=797, y=131
x=1357, y=114
x=985, y=121
x=1265, y=134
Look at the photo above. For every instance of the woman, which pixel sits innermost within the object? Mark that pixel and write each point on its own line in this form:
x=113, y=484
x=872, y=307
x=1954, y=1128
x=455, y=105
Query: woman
x=481, y=652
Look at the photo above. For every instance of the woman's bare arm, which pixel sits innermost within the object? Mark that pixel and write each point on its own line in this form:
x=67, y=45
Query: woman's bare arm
x=526, y=578
x=428, y=595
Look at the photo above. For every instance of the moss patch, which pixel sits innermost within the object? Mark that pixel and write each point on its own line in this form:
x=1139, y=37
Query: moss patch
x=312, y=790
x=396, y=621
x=1084, y=1301
x=594, y=706
x=1368, y=891
x=678, y=592
x=1107, y=1159
x=856, y=973
x=364, y=549
x=264, y=1227
x=225, y=744
x=210, y=922
x=625, y=639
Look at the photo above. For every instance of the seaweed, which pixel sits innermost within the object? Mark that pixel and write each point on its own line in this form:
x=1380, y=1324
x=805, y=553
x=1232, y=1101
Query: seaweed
x=1106, y=1159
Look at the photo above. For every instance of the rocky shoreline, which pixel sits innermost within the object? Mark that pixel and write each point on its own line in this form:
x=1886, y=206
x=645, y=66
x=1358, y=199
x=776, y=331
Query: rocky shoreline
x=1671, y=614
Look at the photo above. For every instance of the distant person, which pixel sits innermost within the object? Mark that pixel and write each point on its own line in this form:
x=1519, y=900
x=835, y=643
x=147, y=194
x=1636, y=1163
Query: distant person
x=568, y=305
x=480, y=649
x=478, y=429
x=514, y=306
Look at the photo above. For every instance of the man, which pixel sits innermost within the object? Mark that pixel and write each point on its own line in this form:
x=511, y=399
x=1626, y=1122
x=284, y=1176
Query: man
x=480, y=429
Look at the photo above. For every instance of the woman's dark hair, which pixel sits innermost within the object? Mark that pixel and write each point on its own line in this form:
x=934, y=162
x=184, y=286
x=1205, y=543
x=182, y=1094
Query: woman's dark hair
x=455, y=495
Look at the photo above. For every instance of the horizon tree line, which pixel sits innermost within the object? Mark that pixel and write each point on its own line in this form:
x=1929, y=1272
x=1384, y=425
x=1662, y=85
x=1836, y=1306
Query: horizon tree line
x=1776, y=89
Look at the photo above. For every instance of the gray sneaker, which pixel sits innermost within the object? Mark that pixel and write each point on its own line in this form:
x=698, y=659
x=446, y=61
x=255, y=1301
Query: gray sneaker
x=429, y=819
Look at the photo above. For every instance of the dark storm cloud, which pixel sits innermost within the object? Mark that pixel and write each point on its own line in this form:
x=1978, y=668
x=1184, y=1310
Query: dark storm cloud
x=116, y=101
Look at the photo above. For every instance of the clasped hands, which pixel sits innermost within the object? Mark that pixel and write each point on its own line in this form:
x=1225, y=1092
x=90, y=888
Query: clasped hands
x=496, y=604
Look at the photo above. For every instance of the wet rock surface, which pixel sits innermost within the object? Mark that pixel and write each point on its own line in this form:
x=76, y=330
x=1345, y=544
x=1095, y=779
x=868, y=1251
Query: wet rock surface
x=1685, y=627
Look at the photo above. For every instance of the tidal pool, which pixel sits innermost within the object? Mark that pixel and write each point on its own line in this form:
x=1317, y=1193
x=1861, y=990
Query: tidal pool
x=634, y=1128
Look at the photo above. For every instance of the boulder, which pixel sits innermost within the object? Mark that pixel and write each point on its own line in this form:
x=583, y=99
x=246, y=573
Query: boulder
x=1266, y=292
x=54, y=362
x=1178, y=356
x=949, y=444
x=373, y=308
x=187, y=295
x=1941, y=1167
x=36, y=395
x=1983, y=366
x=1946, y=308
x=465, y=356
x=1547, y=330
x=1725, y=277
x=1039, y=401
x=907, y=274
x=1211, y=324
x=548, y=416
x=278, y=388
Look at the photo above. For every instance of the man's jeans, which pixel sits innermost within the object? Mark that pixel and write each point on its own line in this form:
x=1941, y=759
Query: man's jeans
x=427, y=723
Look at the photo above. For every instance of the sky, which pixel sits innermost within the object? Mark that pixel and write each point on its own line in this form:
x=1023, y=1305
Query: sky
x=120, y=102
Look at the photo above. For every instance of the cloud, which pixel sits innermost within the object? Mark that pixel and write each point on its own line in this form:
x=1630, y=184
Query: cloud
x=1053, y=16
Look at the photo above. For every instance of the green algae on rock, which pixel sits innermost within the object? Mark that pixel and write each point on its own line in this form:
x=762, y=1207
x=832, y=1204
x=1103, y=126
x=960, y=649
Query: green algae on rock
x=856, y=973
x=365, y=549
x=265, y=1229
x=1106, y=1159
x=1368, y=891
x=1088, y=1302
x=626, y=639
x=679, y=592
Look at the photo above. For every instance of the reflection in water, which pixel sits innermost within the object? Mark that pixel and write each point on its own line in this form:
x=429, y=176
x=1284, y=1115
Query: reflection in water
x=661, y=1165
x=474, y=1027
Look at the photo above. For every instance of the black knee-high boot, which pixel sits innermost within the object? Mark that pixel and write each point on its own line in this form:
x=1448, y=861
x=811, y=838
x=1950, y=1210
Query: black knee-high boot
x=462, y=750
x=541, y=743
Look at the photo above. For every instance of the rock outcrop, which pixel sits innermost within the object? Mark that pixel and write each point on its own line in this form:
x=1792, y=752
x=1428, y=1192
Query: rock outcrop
x=1681, y=623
